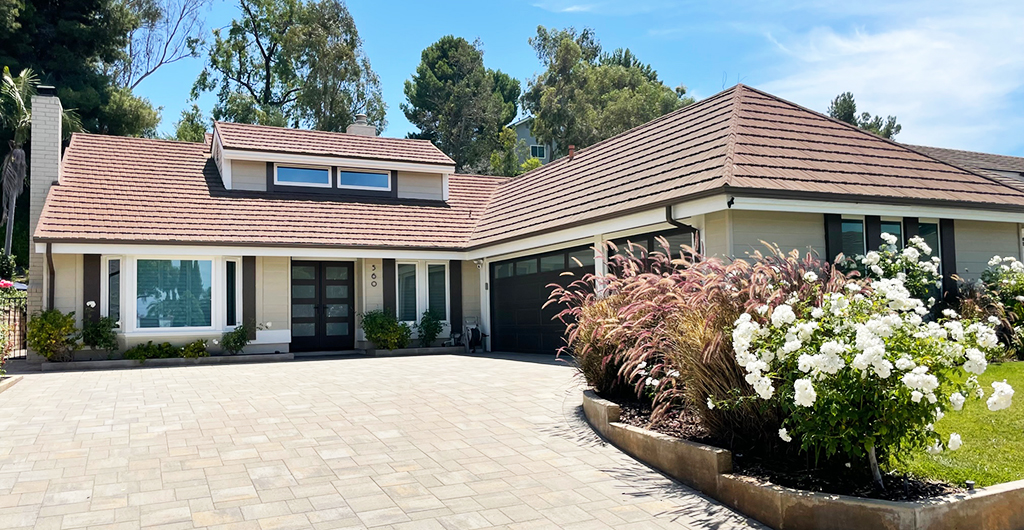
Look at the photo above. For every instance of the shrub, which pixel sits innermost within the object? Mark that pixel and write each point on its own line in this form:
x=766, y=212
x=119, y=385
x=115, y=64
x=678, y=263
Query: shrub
x=428, y=328
x=195, y=349
x=861, y=373
x=920, y=276
x=100, y=335
x=8, y=266
x=385, y=331
x=234, y=341
x=141, y=352
x=53, y=335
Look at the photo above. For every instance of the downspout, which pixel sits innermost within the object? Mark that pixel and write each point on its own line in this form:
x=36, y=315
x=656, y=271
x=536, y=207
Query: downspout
x=52, y=276
x=693, y=230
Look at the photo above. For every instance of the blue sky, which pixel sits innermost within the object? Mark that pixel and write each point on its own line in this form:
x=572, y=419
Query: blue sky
x=952, y=72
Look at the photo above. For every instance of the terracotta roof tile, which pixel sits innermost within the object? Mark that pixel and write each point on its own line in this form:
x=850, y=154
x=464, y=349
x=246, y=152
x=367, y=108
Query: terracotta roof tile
x=301, y=141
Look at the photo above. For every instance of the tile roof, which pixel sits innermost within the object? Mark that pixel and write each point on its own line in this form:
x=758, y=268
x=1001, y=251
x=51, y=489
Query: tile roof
x=1006, y=169
x=743, y=140
x=141, y=190
x=301, y=141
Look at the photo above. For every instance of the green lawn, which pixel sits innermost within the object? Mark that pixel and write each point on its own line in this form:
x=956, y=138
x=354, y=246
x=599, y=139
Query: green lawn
x=993, y=449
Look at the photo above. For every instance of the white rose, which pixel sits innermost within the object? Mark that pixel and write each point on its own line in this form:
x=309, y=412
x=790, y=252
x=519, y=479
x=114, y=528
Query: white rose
x=784, y=434
x=954, y=442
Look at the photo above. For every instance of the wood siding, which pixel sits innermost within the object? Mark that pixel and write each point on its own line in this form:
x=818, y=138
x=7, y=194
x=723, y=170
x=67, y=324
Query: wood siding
x=801, y=231
x=413, y=185
x=247, y=175
x=978, y=241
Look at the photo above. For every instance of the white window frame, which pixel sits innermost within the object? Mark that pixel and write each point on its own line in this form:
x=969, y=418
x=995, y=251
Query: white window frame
x=447, y=289
x=540, y=146
x=239, y=317
x=419, y=287
x=105, y=288
x=130, y=290
x=359, y=170
x=330, y=176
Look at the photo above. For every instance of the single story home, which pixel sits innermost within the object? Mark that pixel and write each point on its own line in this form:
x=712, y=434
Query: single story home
x=302, y=231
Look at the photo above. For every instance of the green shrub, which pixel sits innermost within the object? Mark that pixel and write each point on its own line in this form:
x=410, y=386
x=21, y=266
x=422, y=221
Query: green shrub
x=195, y=349
x=234, y=341
x=7, y=266
x=53, y=335
x=141, y=352
x=385, y=331
x=428, y=328
x=100, y=335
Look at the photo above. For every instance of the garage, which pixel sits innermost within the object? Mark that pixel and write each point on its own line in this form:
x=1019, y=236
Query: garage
x=519, y=290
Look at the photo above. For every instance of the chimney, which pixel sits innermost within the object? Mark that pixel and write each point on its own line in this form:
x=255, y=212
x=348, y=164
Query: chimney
x=44, y=169
x=572, y=151
x=361, y=128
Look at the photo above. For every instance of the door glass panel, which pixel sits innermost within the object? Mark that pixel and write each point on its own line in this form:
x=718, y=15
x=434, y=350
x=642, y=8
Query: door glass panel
x=304, y=329
x=526, y=266
x=502, y=270
x=303, y=291
x=336, y=291
x=335, y=272
x=337, y=328
x=303, y=310
x=552, y=263
x=303, y=272
x=337, y=310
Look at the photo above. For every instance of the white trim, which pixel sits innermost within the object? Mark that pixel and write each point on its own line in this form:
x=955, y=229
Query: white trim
x=130, y=293
x=544, y=147
x=221, y=250
x=317, y=160
x=339, y=170
x=868, y=208
x=330, y=176
x=105, y=287
x=239, y=317
x=444, y=186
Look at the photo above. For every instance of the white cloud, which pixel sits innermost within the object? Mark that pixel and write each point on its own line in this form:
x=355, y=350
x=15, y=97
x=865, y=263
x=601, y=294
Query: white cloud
x=613, y=8
x=950, y=78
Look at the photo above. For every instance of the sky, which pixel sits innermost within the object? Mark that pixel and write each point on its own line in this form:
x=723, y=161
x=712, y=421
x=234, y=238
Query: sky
x=952, y=72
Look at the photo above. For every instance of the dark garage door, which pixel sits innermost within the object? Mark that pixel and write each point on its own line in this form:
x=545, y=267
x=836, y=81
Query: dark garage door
x=519, y=290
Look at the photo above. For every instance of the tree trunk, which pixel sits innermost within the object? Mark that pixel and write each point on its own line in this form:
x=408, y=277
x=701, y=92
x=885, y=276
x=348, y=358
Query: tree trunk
x=875, y=472
x=10, y=225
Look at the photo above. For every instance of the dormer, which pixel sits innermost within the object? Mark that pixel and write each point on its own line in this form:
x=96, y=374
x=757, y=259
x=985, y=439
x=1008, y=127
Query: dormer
x=356, y=163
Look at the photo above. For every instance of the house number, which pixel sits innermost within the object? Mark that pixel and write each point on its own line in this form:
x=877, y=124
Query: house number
x=373, y=275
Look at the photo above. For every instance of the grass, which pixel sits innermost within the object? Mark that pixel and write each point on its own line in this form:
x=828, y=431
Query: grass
x=993, y=449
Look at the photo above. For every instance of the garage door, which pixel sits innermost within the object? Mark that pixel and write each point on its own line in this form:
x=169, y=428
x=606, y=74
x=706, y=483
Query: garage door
x=519, y=290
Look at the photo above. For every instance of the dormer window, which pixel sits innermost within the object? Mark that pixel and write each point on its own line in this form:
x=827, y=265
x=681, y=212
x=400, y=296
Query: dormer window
x=318, y=177
x=364, y=180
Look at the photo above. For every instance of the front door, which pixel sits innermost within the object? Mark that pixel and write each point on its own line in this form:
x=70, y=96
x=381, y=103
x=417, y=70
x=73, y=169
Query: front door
x=322, y=306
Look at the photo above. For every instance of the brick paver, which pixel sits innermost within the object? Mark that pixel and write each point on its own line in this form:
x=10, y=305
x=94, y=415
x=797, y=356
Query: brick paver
x=450, y=442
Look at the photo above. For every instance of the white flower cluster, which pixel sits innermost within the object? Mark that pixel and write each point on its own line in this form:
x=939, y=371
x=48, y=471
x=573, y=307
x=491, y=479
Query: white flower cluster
x=1002, y=396
x=1008, y=263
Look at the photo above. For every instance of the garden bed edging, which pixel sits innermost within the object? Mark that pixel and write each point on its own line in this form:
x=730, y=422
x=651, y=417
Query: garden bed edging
x=709, y=470
x=172, y=361
x=402, y=352
x=9, y=381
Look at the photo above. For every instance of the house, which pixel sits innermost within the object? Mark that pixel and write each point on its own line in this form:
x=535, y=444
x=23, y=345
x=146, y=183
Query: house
x=535, y=148
x=305, y=230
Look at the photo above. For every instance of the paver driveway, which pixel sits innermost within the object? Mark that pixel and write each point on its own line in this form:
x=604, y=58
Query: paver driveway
x=455, y=442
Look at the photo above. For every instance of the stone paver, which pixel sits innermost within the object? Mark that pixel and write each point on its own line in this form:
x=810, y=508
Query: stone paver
x=448, y=442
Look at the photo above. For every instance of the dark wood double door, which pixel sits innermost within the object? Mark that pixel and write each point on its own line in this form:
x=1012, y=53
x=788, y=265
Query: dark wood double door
x=323, y=300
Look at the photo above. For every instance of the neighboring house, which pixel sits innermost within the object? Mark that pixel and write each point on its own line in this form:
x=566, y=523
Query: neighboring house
x=1009, y=169
x=308, y=229
x=534, y=148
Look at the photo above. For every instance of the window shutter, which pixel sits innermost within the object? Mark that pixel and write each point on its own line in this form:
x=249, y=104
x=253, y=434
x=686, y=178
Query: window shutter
x=390, y=292
x=249, y=294
x=93, y=278
x=455, y=295
x=833, y=236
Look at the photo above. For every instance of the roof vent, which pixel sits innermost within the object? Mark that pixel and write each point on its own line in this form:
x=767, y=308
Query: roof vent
x=361, y=127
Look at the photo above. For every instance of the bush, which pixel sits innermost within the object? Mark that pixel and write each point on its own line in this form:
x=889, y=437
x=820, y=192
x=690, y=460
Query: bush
x=195, y=350
x=234, y=341
x=428, y=328
x=53, y=335
x=141, y=352
x=385, y=331
x=8, y=266
x=100, y=335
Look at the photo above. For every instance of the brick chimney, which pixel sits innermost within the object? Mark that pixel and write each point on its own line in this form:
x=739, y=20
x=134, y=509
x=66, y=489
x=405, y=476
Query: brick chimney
x=44, y=171
x=361, y=128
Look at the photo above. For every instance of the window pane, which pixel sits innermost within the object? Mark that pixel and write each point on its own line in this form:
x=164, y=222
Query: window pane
x=581, y=258
x=231, y=293
x=364, y=180
x=305, y=329
x=930, y=233
x=895, y=228
x=437, y=297
x=114, y=289
x=304, y=291
x=173, y=293
x=303, y=175
x=336, y=291
x=675, y=243
x=337, y=328
x=336, y=310
x=336, y=272
x=303, y=310
x=552, y=263
x=503, y=270
x=406, y=292
x=303, y=272
x=526, y=266
x=853, y=238
x=537, y=151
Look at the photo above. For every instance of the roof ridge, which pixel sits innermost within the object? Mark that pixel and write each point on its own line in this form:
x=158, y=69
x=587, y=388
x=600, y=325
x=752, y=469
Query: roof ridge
x=915, y=146
x=729, y=165
x=962, y=167
x=136, y=138
x=317, y=131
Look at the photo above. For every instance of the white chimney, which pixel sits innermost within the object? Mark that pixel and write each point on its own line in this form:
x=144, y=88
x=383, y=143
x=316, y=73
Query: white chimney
x=44, y=170
x=361, y=128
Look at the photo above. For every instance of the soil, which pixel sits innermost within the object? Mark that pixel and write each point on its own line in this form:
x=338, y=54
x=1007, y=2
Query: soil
x=789, y=472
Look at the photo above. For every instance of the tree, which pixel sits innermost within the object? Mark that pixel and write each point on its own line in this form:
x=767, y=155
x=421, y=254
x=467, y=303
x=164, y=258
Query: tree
x=162, y=32
x=458, y=104
x=288, y=62
x=191, y=127
x=65, y=43
x=16, y=104
x=844, y=108
x=585, y=95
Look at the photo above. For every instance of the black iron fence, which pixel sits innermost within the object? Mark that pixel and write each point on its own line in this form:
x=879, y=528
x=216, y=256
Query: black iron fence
x=13, y=320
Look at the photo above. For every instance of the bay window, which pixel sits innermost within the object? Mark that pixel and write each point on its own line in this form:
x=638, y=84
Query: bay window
x=174, y=293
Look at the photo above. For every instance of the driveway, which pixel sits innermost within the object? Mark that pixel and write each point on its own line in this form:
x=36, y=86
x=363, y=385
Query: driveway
x=452, y=442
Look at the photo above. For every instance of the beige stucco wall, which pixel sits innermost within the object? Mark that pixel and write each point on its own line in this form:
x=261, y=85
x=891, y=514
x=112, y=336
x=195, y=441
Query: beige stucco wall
x=800, y=231
x=716, y=234
x=67, y=285
x=247, y=175
x=412, y=185
x=471, y=300
x=977, y=241
x=273, y=291
x=371, y=296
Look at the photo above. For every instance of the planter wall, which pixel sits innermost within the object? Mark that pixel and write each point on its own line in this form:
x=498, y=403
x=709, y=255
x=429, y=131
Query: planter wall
x=174, y=361
x=443, y=350
x=708, y=469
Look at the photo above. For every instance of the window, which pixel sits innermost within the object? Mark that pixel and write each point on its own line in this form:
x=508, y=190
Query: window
x=364, y=180
x=437, y=290
x=895, y=228
x=526, y=266
x=503, y=270
x=231, y=292
x=113, y=286
x=552, y=263
x=303, y=176
x=930, y=233
x=853, y=238
x=406, y=292
x=581, y=258
x=173, y=293
x=537, y=151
